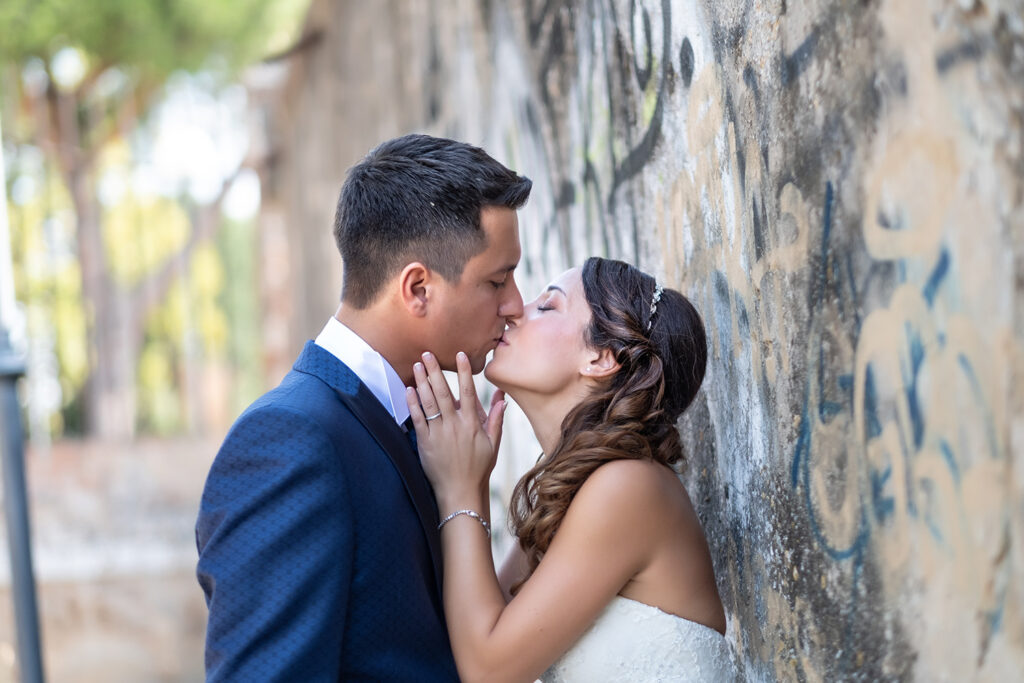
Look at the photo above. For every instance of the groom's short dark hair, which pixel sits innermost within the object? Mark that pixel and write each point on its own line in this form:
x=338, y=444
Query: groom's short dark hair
x=417, y=198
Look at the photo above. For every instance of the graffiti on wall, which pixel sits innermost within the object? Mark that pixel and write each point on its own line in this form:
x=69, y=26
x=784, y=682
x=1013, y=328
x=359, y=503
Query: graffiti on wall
x=811, y=215
x=835, y=186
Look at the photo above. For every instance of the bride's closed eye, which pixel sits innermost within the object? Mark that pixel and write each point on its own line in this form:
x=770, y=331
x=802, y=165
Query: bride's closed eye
x=548, y=305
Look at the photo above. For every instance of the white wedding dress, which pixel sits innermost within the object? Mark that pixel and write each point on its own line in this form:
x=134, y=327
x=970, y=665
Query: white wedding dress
x=632, y=641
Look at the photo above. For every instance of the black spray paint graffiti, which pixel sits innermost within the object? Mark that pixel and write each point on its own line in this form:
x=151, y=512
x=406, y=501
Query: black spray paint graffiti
x=903, y=473
x=628, y=64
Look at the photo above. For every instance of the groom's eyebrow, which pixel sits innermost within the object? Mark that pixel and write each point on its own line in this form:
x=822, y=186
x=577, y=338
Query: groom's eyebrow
x=506, y=269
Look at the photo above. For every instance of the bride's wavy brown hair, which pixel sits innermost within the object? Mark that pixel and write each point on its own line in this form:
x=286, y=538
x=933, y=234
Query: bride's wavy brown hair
x=633, y=414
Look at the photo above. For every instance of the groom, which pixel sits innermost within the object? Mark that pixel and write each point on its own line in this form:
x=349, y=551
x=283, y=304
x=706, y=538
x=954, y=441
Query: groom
x=319, y=553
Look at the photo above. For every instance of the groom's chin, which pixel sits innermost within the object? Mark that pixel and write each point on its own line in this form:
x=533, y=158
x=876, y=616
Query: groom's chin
x=477, y=363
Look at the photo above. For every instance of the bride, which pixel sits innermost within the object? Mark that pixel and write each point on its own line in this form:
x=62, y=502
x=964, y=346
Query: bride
x=611, y=578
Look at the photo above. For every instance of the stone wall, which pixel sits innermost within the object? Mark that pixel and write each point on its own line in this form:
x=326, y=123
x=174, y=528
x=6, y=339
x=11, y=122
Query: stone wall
x=114, y=556
x=838, y=187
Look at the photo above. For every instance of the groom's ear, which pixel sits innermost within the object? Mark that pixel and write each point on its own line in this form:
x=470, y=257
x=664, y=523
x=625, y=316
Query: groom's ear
x=414, y=288
x=601, y=364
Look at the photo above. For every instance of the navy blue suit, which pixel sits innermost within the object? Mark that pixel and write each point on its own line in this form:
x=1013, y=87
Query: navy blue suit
x=318, y=546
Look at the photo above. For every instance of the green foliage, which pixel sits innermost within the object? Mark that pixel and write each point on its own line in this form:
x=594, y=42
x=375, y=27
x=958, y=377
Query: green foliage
x=155, y=36
x=214, y=302
x=125, y=51
x=47, y=278
x=159, y=407
x=141, y=234
x=214, y=306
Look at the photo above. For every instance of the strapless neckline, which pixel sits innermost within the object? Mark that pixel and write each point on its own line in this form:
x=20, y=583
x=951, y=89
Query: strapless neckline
x=690, y=622
x=633, y=641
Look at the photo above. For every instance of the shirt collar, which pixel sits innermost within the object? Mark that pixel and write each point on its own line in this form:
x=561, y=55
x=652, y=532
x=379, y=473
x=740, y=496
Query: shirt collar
x=368, y=365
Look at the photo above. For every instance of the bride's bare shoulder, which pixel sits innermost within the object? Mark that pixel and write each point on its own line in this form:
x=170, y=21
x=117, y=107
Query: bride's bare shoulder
x=628, y=488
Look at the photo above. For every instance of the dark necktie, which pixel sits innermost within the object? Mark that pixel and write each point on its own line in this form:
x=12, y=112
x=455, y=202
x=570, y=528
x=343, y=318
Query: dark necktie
x=410, y=432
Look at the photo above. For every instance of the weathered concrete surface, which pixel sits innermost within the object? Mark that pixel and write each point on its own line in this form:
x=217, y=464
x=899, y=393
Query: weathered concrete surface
x=838, y=186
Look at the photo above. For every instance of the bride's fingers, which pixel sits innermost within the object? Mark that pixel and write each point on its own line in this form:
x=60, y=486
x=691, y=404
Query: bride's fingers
x=467, y=389
x=481, y=414
x=442, y=393
x=495, y=421
x=496, y=415
x=425, y=393
x=499, y=395
x=415, y=412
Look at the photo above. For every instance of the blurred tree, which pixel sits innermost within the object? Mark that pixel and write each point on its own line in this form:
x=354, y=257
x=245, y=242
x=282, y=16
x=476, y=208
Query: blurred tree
x=89, y=71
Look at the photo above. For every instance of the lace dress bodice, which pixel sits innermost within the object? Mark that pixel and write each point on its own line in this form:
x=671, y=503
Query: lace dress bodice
x=632, y=641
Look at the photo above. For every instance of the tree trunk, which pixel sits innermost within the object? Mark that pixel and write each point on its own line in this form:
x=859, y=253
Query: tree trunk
x=114, y=315
x=110, y=394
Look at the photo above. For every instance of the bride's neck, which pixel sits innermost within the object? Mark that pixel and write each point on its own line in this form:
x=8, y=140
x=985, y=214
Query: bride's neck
x=546, y=414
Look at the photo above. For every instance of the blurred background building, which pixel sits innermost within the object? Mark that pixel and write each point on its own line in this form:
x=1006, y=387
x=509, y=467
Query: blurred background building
x=839, y=187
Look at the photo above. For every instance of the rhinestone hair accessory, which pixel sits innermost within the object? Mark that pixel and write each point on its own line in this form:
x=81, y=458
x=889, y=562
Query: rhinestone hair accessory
x=658, y=289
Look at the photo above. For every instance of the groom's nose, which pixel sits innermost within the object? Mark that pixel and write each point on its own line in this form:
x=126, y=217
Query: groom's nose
x=512, y=303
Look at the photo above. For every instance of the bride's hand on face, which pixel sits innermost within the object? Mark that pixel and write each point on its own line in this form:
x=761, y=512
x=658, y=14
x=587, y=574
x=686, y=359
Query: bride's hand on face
x=459, y=447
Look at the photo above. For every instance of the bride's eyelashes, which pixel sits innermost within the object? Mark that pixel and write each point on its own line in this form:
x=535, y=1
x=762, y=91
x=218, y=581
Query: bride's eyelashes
x=548, y=305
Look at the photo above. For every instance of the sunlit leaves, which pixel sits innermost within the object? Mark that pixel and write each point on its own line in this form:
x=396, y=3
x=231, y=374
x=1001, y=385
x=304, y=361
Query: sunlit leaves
x=78, y=81
x=190, y=326
x=159, y=402
x=154, y=36
x=141, y=234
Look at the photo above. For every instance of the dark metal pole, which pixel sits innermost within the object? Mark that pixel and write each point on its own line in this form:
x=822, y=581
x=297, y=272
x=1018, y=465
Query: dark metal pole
x=23, y=585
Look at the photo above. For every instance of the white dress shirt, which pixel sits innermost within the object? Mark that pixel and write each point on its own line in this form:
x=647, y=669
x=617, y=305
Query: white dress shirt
x=368, y=365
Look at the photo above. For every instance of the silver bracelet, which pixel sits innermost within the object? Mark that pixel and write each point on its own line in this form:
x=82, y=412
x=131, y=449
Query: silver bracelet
x=468, y=513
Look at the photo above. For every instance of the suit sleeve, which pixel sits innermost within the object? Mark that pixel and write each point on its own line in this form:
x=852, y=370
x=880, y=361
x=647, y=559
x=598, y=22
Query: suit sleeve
x=275, y=544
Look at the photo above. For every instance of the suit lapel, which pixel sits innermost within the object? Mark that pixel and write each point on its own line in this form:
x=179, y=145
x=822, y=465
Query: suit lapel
x=386, y=432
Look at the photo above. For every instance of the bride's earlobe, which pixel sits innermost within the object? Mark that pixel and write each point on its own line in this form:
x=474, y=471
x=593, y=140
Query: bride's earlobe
x=601, y=365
